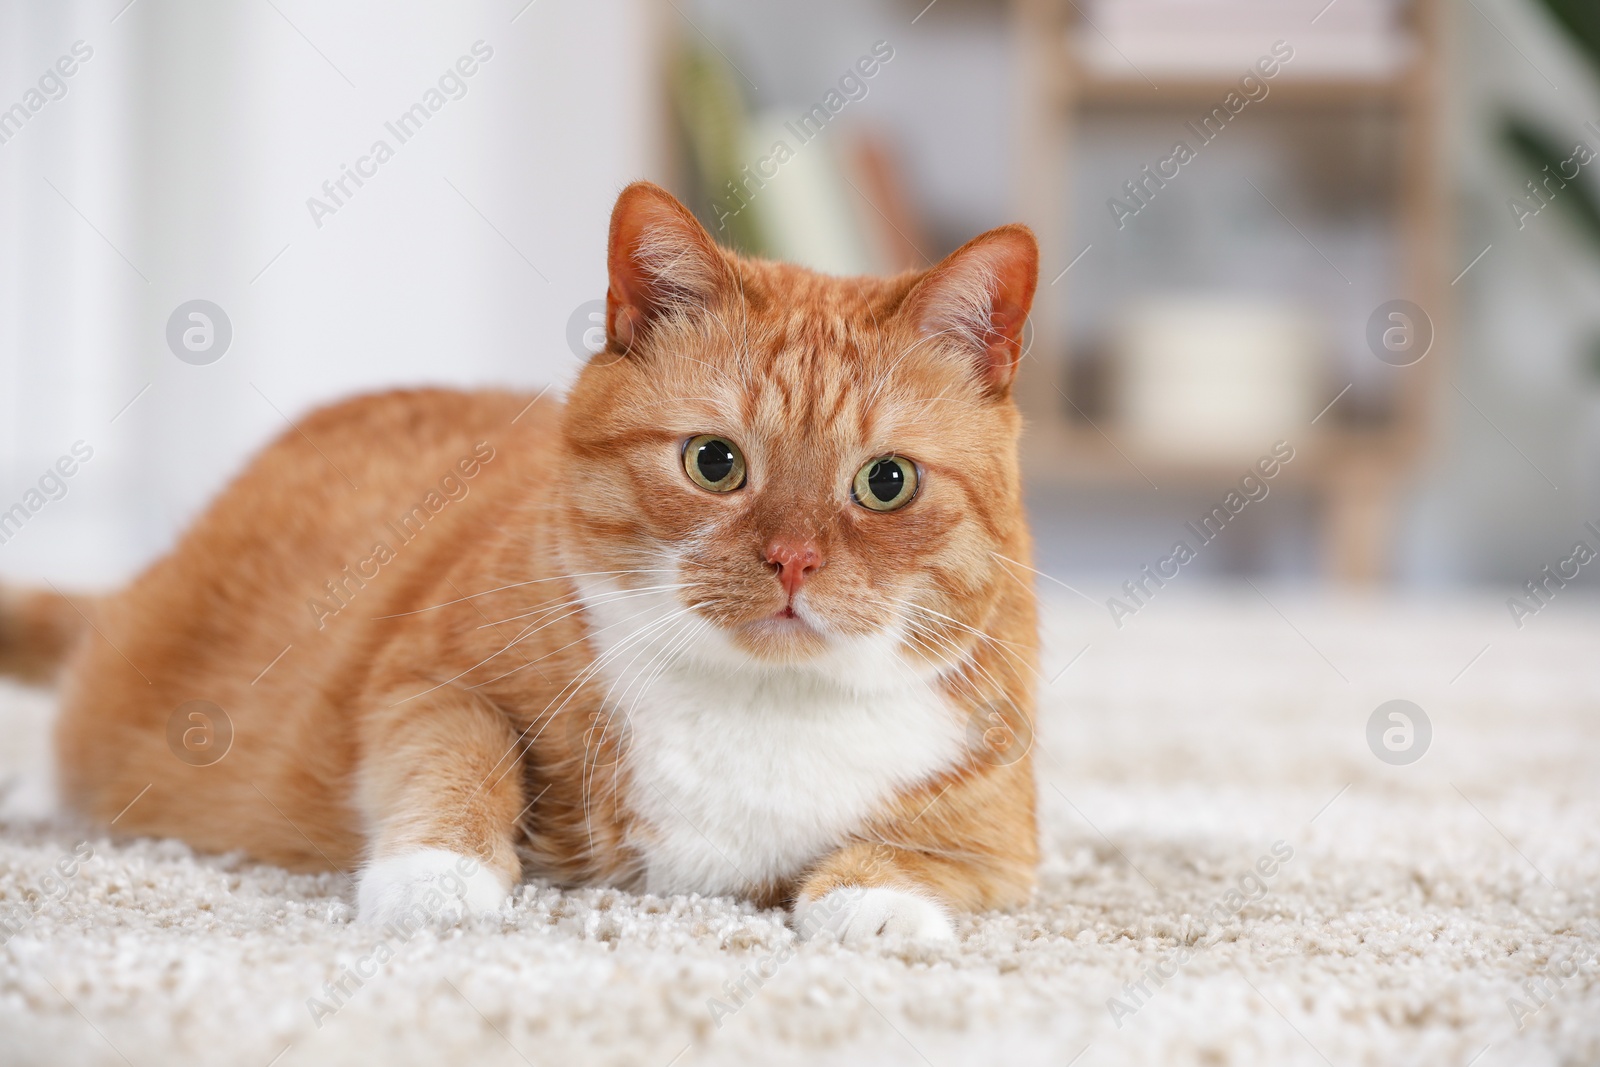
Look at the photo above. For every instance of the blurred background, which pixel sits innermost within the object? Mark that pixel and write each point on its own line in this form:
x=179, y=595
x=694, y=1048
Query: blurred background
x=1361, y=234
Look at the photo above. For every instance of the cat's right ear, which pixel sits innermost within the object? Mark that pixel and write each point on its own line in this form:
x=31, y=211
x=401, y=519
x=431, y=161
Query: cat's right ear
x=660, y=258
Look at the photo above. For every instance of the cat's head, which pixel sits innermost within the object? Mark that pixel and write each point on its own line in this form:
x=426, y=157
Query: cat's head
x=780, y=466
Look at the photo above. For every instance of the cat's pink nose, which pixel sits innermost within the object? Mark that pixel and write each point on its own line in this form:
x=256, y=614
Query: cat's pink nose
x=795, y=559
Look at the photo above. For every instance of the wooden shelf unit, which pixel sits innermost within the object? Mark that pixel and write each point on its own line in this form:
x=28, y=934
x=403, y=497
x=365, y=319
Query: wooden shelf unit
x=1357, y=472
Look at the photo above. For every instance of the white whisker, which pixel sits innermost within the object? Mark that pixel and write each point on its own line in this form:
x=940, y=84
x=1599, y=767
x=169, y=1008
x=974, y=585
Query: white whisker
x=516, y=585
x=576, y=684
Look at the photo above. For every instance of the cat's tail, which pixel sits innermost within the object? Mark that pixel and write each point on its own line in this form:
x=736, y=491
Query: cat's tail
x=37, y=630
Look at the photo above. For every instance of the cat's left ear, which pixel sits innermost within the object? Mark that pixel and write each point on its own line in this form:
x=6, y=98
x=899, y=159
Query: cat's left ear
x=659, y=259
x=979, y=297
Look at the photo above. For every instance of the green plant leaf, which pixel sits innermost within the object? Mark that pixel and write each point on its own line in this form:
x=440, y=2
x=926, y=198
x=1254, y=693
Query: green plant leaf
x=1537, y=151
x=714, y=120
x=1581, y=20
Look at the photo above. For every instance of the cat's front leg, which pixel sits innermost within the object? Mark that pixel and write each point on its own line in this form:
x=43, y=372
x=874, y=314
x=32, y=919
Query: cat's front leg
x=971, y=846
x=865, y=891
x=440, y=787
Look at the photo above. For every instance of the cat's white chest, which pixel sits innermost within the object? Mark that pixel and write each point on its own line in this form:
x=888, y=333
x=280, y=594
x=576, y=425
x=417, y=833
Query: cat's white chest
x=741, y=779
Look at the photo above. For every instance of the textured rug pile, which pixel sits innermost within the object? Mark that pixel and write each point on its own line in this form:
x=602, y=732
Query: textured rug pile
x=1231, y=874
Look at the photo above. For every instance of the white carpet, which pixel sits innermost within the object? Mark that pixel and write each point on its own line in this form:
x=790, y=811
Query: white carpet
x=1175, y=753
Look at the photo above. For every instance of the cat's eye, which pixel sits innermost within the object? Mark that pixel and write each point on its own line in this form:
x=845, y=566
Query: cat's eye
x=885, y=484
x=714, y=463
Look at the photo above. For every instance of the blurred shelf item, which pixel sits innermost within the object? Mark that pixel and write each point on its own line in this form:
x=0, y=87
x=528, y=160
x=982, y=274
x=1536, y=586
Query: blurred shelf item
x=1081, y=58
x=1348, y=39
x=771, y=186
x=1125, y=89
x=1066, y=454
x=1211, y=378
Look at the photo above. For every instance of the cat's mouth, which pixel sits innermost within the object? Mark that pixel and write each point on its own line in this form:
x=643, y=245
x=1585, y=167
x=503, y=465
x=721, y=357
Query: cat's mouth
x=785, y=630
x=785, y=621
x=785, y=635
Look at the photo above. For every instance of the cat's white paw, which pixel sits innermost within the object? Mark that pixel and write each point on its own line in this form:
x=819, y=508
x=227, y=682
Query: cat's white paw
x=855, y=915
x=428, y=886
x=29, y=796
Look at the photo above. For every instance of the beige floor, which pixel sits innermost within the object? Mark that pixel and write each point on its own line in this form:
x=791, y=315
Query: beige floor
x=1174, y=754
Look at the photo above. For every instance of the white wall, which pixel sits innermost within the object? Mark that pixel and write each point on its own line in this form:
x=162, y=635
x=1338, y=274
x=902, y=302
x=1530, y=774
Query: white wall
x=192, y=139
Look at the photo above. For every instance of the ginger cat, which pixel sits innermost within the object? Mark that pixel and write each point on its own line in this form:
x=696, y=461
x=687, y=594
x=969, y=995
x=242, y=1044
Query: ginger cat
x=746, y=615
